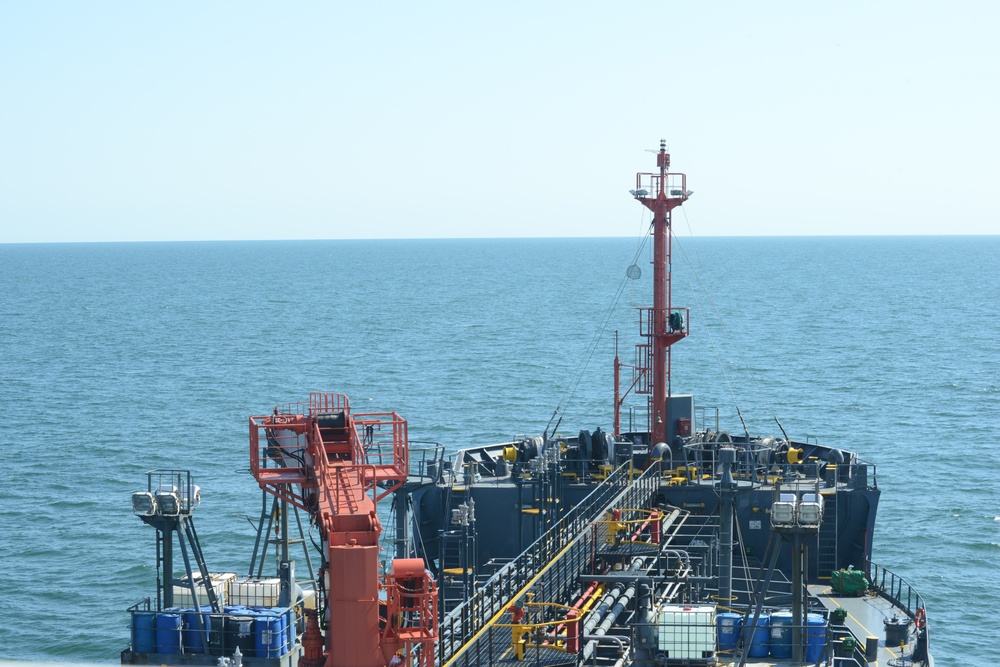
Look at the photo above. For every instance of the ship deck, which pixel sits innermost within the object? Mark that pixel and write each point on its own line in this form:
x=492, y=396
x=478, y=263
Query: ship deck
x=557, y=567
x=865, y=618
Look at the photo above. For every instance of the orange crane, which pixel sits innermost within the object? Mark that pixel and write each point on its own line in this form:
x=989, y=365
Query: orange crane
x=336, y=466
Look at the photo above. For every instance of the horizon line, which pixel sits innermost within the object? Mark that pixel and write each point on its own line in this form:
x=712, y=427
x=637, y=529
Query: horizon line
x=491, y=238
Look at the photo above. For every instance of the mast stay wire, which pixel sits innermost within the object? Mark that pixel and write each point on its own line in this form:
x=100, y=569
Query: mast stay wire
x=708, y=331
x=728, y=333
x=605, y=320
x=747, y=573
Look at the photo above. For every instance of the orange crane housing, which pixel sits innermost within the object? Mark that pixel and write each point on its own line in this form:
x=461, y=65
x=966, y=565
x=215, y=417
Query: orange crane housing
x=336, y=466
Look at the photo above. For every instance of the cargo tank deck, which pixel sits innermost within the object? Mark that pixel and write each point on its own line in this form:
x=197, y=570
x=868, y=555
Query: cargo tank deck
x=597, y=558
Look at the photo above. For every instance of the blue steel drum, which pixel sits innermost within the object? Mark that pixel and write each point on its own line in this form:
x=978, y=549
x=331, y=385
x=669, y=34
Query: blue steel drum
x=729, y=625
x=269, y=633
x=144, y=632
x=168, y=633
x=760, y=642
x=815, y=637
x=781, y=634
x=281, y=642
x=278, y=642
x=193, y=638
x=289, y=632
x=282, y=639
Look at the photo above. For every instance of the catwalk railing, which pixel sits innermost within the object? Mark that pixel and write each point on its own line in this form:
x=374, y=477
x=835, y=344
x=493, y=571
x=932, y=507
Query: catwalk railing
x=895, y=589
x=760, y=463
x=547, y=567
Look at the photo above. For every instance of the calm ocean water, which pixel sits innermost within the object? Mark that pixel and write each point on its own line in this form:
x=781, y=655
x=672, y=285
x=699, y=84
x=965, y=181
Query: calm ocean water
x=121, y=358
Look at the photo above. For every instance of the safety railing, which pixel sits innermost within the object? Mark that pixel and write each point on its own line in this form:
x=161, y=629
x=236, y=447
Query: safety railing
x=283, y=442
x=701, y=417
x=319, y=403
x=564, y=550
x=677, y=320
x=171, y=492
x=326, y=402
x=380, y=441
x=340, y=485
x=756, y=462
x=895, y=589
x=278, y=455
x=648, y=185
x=281, y=455
x=425, y=462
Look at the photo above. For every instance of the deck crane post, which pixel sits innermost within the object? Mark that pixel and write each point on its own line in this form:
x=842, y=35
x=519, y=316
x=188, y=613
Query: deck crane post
x=337, y=465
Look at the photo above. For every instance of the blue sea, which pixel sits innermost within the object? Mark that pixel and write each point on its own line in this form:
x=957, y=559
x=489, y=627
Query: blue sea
x=122, y=358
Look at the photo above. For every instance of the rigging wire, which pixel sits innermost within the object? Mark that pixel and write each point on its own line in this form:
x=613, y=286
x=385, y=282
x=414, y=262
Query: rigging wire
x=747, y=573
x=384, y=538
x=601, y=329
x=739, y=350
x=605, y=320
x=708, y=331
x=416, y=527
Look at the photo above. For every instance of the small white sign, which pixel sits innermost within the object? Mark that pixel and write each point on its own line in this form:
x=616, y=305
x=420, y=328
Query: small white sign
x=755, y=525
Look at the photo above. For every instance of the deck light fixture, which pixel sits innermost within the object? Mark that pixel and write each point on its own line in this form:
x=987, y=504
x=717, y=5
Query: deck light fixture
x=167, y=500
x=783, y=510
x=143, y=503
x=811, y=510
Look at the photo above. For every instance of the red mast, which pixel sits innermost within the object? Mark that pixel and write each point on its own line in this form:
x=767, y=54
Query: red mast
x=661, y=193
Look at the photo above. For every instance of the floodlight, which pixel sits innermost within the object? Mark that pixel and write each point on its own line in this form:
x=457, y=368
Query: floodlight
x=195, y=499
x=811, y=509
x=782, y=513
x=143, y=503
x=810, y=513
x=166, y=498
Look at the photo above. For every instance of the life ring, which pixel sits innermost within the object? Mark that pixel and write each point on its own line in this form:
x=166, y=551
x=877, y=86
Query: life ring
x=920, y=618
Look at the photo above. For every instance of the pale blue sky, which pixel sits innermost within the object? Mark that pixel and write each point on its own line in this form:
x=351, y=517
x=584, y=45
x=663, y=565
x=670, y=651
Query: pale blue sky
x=203, y=120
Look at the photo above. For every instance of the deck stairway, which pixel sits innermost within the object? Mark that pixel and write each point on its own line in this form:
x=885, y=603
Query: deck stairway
x=826, y=539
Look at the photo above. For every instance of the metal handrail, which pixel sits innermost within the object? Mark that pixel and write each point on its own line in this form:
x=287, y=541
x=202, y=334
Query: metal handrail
x=898, y=591
x=895, y=589
x=420, y=457
x=471, y=617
